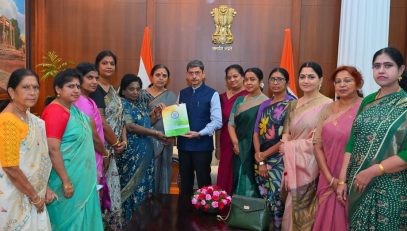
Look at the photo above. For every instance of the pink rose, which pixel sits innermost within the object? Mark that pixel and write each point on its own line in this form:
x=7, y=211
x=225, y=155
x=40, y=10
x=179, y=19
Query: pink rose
x=216, y=193
x=215, y=204
x=203, y=202
x=194, y=201
x=208, y=197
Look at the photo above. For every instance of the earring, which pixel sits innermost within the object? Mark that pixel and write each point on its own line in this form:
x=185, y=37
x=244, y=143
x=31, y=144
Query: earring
x=58, y=95
x=400, y=78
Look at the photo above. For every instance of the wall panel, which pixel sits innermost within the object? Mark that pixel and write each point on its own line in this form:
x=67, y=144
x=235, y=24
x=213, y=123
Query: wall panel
x=181, y=31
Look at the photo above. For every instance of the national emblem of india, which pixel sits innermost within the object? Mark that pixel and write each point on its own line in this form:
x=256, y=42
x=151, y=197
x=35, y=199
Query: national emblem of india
x=223, y=18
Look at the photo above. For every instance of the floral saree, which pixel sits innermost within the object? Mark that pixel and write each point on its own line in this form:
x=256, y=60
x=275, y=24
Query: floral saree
x=269, y=127
x=379, y=132
x=136, y=165
x=162, y=153
x=243, y=117
x=16, y=211
x=300, y=166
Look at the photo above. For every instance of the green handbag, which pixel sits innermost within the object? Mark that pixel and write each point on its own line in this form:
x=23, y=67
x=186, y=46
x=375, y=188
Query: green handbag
x=249, y=213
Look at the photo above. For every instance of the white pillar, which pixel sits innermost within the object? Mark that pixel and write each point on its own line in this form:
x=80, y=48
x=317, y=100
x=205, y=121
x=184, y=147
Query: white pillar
x=364, y=29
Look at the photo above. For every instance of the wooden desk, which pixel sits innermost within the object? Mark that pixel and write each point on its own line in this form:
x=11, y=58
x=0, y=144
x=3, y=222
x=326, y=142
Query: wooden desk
x=165, y=212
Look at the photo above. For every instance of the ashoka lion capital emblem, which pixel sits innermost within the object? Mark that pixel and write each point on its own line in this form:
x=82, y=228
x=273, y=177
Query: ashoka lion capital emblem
x=223, y=18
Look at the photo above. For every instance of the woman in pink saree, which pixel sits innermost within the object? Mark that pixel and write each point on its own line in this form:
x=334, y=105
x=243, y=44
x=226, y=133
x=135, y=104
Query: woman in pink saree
x=300, y=166
x=86, y=105
x=330, y=139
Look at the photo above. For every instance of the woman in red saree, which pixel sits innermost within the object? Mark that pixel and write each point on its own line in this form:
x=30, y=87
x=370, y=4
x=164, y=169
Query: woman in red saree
x=234, y=83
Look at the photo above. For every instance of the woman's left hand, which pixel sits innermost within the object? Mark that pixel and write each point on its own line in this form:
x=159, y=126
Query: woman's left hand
x=362, y=179
x=158, y=109
x=50, y=196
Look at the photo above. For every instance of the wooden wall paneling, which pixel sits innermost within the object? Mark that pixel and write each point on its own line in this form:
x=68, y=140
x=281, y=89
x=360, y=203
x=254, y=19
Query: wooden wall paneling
x=320, y=36
x=181, y=31
x=78, y=30
x=398, y=25
x=295, y=39
x=258, y=29
x=37, y=35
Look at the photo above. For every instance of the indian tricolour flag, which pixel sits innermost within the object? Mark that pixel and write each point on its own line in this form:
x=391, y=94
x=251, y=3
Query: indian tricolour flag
x=287, y=61
x=146, y=59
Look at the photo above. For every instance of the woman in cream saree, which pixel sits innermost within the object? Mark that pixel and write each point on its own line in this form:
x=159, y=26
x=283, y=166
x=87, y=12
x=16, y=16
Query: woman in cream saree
x=300, y=166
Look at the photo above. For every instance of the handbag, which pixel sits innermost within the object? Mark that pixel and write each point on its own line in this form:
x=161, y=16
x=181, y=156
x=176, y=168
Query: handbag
x=249, y=213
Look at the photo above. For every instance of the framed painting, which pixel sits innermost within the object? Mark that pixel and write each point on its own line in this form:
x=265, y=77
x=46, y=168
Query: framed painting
x=14, y=39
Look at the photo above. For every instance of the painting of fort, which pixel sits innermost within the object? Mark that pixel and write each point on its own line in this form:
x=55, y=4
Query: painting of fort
x=12, y=39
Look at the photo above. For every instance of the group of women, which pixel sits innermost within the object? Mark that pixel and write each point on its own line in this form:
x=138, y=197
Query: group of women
x=91, y=159
x=322, y=164
x=96, y=153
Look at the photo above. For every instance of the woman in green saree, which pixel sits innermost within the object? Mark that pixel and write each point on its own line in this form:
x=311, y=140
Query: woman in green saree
x=73, y=175
x=374, y=168
x=241, y=124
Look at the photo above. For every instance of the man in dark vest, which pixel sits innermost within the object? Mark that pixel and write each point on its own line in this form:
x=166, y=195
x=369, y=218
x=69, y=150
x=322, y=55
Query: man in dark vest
x=205, y=116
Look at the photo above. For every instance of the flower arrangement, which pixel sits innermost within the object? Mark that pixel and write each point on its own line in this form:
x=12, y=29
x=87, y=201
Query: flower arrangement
x=210, y=198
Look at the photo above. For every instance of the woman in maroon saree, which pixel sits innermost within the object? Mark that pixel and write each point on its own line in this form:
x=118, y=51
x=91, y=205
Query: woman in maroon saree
x=234, y=83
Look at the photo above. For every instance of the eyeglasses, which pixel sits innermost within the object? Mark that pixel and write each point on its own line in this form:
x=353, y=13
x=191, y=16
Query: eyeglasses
x=345, y=81
x=277, y=80
x=192, y=73
x=378, y=66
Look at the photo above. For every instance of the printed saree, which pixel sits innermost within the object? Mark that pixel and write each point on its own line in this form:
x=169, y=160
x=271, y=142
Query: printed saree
x=379, y=132
x=136, y=165
x=300, y=166
x=269, y=127
x=162, y=153
x=243, y=117
x=115, y=119
x=82, y=210
x=16, y=211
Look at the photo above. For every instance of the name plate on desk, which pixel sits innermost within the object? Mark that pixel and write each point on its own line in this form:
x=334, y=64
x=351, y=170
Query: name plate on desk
x=175, y=119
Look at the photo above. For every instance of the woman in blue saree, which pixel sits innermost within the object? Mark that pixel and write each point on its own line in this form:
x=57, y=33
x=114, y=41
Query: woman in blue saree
x=73, y=175
x=136, y=165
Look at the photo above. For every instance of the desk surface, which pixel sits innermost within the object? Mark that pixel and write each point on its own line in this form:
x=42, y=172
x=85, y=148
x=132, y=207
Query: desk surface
x=165, y=212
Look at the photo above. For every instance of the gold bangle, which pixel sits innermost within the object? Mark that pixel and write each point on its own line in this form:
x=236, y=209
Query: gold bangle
x=108, y=155
x=341, y=182
x=115, y=144
x=381, y=168
x=69, y=186
x=36, y=203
